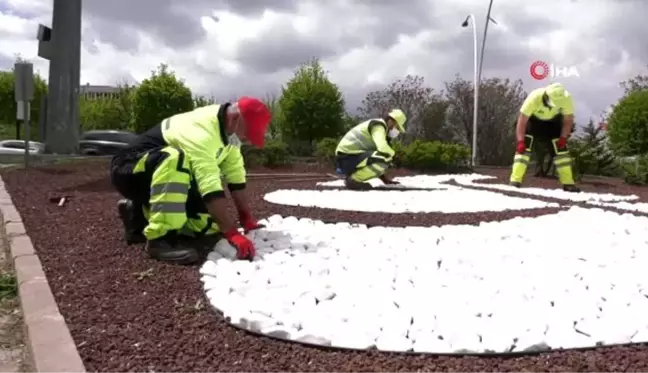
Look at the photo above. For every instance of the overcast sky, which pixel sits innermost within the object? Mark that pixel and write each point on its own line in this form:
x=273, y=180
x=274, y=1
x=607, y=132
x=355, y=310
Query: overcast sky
x=228, y=48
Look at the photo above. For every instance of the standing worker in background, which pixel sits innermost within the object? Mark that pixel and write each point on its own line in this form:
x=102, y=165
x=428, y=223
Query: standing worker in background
x=546, y=115
x=171, y=179
x=364, y=153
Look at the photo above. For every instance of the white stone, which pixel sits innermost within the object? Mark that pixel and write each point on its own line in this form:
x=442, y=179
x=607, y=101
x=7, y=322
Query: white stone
x=486, y=288
x=448, y=201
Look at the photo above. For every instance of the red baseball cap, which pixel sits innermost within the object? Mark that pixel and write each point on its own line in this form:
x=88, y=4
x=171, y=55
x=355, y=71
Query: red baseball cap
x=257, y=117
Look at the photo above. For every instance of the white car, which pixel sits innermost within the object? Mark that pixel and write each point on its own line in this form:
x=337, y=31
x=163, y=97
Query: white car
x=17, y=147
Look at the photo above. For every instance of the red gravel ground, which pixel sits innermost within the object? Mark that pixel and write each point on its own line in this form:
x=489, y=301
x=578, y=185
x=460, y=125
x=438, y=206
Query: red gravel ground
x=129, y=313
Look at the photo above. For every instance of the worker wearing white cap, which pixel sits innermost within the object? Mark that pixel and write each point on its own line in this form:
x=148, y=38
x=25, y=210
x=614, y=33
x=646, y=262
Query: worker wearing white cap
x=364, y=153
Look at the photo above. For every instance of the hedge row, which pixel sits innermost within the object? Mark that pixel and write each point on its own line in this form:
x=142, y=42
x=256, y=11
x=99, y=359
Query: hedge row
x=418, y=155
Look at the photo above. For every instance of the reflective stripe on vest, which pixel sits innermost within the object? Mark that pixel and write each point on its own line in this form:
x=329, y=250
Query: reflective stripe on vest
x=358, y=139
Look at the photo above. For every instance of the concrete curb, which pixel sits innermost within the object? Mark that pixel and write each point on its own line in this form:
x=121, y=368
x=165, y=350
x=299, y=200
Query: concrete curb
x=48, y=338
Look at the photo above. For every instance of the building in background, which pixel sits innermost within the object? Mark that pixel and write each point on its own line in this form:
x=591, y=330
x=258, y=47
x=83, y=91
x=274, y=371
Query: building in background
x=93, y=92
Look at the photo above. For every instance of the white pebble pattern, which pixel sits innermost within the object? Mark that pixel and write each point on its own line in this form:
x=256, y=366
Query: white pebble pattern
x=567, y=280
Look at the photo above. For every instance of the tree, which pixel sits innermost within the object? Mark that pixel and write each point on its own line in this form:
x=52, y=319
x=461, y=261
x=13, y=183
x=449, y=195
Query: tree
x=311, y=107
x=499, y=104
x=628, y=125
x=274, y=130
x=8, y=106
x=638, y=83
x=114, y=113
x=200, y=101
x=425, y=109
x=594, y=157
x=158, y=97
x=351, y=121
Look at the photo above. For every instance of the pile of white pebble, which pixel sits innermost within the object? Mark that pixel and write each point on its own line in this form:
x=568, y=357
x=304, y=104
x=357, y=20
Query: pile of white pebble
x=572, y=279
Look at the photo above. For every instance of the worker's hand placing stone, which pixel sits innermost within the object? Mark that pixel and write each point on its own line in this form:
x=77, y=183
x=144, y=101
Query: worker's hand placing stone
x=244, y=247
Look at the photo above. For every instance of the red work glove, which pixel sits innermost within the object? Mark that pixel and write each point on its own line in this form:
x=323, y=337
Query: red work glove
x=244, y=247
x=520, y=148
x=561, y=143
x=248, y=222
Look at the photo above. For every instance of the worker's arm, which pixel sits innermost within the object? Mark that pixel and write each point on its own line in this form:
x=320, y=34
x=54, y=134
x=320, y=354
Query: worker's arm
x=529, y=106
x=208, y=177
x=568, y=118
x=520, y=127
x=379, y=136
x=233, y=169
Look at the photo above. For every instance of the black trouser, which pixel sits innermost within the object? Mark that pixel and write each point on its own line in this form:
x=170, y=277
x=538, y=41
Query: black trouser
x=154, y=179
x=544, y=131
x=364, y=166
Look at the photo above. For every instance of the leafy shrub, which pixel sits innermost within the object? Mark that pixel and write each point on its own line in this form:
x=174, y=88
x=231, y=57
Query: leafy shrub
x=158, y=97
x=325, y=150
x=435, y=155
x=399, y=152
x=636, y=172
x=275, y=153
x=628, y=125
x=583, y=158
x=252, y=156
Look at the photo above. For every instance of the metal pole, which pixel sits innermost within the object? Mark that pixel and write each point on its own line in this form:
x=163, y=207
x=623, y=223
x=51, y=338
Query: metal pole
x=471, y=17
x=64, y=77
x=26, y=129
x=475, y=93
x=488, y=20
x=478, y=81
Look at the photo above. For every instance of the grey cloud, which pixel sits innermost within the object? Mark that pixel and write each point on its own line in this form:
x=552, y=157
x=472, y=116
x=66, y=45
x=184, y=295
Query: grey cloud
x=282, y=47
x=256, y=7
x=125, y=38
x=175, y=24
x=628, y=29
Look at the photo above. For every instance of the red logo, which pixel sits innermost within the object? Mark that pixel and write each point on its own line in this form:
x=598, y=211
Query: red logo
x=539, y=70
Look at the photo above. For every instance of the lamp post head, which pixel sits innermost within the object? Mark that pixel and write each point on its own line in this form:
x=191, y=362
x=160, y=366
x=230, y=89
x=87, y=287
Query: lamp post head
x=465, y=22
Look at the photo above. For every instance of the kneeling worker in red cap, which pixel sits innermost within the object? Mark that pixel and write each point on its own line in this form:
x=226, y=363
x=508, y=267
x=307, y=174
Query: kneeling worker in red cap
x=171, y=179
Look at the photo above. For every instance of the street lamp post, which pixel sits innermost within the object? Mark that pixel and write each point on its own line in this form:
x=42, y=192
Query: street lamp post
x=476, y=87
x=478, y=72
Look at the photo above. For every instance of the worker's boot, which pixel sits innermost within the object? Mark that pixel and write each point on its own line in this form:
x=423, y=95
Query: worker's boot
x=133, y=220
x=571, y=188
x=515, y=184
x=203, y=245
x=356, y=185
x=172, y=251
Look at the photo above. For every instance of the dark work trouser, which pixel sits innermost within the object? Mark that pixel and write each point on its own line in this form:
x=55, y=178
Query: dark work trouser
x=161, y=182
x=544, y=131
x=364, y=166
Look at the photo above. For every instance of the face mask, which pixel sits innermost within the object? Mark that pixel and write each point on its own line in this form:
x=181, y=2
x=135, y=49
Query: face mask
x=234, y=140
x=393, y=133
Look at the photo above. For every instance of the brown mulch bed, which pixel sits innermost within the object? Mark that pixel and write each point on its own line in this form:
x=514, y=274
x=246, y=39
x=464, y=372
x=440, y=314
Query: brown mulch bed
x=129, y=313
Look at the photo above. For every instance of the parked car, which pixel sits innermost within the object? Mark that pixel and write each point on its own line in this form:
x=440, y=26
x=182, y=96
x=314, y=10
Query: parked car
x=17, y=147
x=106, y=142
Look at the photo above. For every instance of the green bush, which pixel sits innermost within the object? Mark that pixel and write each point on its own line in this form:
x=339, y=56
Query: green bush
x=275, y=153
x=636, y=171
x=399, y=152
x=628, y=125
x=158, y=97
x=252, y=156
x=325, y=150
x=435, y=155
